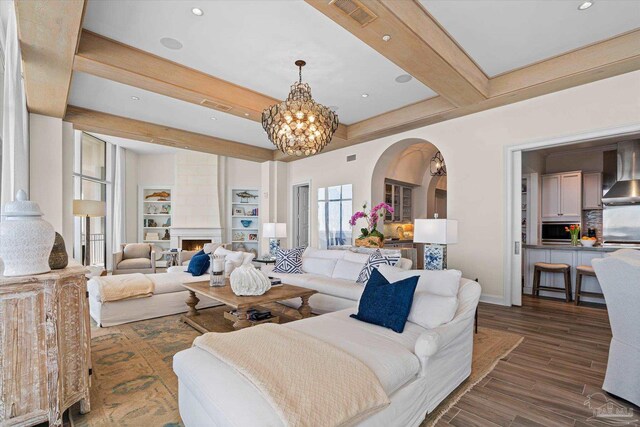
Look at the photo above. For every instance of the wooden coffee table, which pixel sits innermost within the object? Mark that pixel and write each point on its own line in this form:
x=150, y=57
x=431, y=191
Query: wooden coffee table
x=225, y=295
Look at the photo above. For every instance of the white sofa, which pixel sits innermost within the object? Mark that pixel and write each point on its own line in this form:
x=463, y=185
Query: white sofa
x=333, y=273
x=417, y=369
x=619, y=277
x=168, y=297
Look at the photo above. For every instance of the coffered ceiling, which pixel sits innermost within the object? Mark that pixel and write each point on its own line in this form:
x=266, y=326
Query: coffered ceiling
x=237, y=58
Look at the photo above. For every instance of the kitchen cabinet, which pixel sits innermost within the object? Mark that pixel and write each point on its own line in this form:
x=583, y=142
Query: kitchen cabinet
x=592, y=190
x=400, y=197
x=562, y=197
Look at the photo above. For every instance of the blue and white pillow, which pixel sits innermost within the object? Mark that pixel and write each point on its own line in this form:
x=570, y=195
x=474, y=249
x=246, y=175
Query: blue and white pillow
x=289, y=260
x=376, y=259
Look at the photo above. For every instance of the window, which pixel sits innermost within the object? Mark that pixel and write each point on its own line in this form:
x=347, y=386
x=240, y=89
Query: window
x=334, y=211
x=90, y=183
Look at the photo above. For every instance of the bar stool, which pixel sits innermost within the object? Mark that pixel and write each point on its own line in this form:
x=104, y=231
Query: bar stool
x=585, y=270
x=540, y=267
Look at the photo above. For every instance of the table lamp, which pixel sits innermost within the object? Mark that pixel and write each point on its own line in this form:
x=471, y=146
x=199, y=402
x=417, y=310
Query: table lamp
x=436, y=234
x=88, y=209
x=274, y=231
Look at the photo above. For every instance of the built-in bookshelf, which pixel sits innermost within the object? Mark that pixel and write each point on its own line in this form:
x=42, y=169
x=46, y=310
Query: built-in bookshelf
x=245, y=219
x=155, y=212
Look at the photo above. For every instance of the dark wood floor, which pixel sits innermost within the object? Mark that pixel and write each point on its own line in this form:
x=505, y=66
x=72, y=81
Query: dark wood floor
x=549, y=377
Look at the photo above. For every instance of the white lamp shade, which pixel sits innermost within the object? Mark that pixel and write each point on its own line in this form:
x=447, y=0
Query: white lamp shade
x=274, y=230
x=94, y=208
x=439, y=231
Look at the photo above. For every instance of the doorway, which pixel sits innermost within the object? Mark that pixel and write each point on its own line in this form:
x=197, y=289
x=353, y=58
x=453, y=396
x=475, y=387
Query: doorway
x=301, y=215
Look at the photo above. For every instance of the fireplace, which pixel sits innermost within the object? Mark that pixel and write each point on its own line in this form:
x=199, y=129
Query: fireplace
x=191, y=238
x=193, y=244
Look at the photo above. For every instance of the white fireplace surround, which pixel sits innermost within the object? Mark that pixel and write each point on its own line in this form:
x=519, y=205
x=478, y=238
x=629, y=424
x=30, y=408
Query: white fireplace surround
x=178, y=234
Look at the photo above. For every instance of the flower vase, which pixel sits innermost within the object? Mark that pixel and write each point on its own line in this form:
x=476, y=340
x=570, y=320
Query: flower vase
x=575, y=240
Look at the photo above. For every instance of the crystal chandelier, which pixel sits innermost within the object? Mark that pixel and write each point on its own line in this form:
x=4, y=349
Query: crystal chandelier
x=299, y=126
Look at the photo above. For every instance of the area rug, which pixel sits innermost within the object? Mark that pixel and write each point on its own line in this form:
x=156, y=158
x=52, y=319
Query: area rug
x=489, y=346
x=133, y=383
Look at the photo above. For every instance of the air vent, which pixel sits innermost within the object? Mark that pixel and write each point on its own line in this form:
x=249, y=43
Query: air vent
x=356, y=10
x=351, y=158
x=215, y=105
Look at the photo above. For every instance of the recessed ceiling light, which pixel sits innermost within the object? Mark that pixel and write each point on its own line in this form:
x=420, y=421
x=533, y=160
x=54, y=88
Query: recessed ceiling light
x=246, y=114
x=403, y=78
x=170, y=43
x=214, y=118
x=586, y=5
x=386, y=37
x=135, y=98
x=364, y=95
x=197, y=11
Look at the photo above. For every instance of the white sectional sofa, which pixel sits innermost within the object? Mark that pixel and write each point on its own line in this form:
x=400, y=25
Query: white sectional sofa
x=417, y=368
x=333, y=273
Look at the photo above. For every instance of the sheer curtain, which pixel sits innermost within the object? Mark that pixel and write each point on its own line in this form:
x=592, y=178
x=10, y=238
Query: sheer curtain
x=119, y=198
x=15, y=119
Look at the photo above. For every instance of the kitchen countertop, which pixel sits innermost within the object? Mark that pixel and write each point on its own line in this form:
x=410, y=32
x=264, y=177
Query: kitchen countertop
x=580, y=248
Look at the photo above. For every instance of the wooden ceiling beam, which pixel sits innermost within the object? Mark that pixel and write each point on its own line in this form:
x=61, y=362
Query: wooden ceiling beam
x=108, y=124
x=109, y=59
x=48, y=31
x=418, y=45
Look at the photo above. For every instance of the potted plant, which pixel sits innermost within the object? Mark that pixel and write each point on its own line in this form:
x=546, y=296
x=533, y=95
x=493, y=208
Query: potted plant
x=370, y=236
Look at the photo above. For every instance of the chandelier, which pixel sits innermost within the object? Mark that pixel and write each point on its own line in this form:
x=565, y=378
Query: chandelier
x=299, y=125
x=437, y=166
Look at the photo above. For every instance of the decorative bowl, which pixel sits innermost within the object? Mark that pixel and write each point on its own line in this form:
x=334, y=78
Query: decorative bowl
x=588, y=243
x=245, y=222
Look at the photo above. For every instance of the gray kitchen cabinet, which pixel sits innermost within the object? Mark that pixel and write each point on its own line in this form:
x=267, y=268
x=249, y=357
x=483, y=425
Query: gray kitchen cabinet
x=562, y=197
x=400, y=197
x=592, y=190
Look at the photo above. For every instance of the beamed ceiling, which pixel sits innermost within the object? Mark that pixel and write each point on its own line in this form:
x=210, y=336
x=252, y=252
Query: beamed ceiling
x=104, y=66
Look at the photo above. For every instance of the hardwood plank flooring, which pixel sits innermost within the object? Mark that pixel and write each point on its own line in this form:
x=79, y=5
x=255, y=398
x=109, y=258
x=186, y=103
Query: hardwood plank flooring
x=549, y=377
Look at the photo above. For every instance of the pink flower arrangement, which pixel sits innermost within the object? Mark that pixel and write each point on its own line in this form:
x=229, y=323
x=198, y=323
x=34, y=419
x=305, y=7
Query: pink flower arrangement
x=372, y=218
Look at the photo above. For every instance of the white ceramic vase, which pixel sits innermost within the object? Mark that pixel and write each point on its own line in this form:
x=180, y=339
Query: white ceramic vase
x=247, y=280
x=26, y=239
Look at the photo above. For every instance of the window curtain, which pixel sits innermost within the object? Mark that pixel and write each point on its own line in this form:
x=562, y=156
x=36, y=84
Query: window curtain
x=119, y=199
x=15, y=119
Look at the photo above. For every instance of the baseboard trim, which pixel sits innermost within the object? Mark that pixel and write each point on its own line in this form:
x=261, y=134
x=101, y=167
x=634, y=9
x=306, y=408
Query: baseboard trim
x=493, y=299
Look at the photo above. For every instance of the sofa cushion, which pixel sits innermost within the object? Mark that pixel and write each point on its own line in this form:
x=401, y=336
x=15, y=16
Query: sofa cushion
x=340, y=288
x=347, y=270
x=438, y=282
x=136, y=250
x=376, y=259
x=324, y=253
x=321, y=266
x=430, y=311
x=289, y=261
x=361, y=258
x=386, y=304
x=131, y=263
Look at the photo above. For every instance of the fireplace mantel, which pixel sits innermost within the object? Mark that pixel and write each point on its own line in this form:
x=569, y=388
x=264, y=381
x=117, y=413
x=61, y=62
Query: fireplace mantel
x=190, y=233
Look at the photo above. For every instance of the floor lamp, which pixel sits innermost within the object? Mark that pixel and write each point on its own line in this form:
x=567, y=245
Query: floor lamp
x=436, y=234
x=274, y=231
x=88, y=209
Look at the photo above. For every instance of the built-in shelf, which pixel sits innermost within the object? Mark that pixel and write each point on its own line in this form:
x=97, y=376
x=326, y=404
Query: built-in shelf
x=166, y=202
x=145, y=216
x=235, y=219
x=246, y=204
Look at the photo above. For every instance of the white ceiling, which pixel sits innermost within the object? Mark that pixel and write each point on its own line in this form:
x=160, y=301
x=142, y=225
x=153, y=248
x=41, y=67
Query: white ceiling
x=255, y=44
x=501, y=35
x=104, y=95
x=138, y=147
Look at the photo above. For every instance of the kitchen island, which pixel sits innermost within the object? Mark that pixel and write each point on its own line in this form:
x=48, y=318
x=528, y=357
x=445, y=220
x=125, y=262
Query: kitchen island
x=565, y=254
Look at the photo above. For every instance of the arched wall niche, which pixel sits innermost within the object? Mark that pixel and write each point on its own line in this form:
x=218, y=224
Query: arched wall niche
x=408, y=161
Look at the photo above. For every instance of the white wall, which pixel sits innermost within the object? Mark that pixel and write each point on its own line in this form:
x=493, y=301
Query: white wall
x=584, y=160
x=474, y=149
x=156, y=169
x=131, y=196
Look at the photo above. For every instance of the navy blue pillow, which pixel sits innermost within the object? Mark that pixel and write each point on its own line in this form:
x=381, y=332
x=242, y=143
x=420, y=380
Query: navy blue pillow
x=199, y=264
x=386, y=304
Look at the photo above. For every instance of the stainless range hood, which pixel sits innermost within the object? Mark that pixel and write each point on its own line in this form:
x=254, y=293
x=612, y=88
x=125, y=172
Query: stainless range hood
x=626, y=191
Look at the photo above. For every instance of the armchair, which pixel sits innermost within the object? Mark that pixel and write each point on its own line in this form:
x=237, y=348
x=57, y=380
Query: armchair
x=619, y=277
x=135, y=258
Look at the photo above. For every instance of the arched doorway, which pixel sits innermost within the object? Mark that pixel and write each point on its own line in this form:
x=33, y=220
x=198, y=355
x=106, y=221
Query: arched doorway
x=406, y=164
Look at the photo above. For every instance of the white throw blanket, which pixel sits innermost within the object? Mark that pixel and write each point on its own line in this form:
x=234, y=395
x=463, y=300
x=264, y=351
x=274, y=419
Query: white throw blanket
x=307, y=381
x=124, y=286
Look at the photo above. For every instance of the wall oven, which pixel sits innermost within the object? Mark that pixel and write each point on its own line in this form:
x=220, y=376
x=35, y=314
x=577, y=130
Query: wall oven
x=554, y=232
